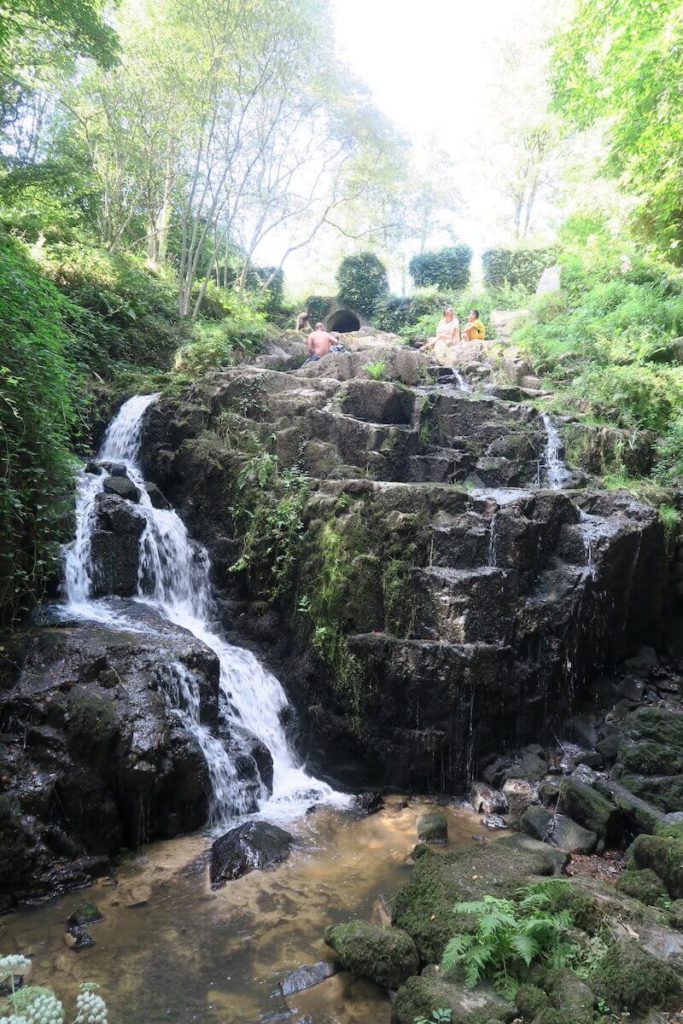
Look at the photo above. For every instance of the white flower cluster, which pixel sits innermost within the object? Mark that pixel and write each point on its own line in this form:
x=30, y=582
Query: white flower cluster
x=91, y=1008
x=13, y=1020
x=44, y=1009
x=14, y=964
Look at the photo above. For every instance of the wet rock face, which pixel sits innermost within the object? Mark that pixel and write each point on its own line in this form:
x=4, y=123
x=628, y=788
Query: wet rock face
x=115, y=550
x=475, y=607
x=91, y=756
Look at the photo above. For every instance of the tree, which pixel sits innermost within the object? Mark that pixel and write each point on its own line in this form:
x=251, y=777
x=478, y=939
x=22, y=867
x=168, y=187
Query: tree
x=39, y=38
x=619, y=65
x=362, y=280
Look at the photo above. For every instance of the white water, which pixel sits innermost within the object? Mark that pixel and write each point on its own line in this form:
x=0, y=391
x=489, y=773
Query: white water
x=462, y=383
x=174, y=580
x=557, y=474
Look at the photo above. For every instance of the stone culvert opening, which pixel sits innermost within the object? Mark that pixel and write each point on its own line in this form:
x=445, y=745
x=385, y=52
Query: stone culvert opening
x=343, y=321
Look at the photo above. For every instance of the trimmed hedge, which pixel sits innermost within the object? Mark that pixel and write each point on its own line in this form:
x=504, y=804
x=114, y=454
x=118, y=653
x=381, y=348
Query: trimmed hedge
x=447, y=268
x=362, y=281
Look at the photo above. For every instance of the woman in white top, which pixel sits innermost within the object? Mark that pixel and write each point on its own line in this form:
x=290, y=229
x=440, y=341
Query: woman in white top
x=447, y=332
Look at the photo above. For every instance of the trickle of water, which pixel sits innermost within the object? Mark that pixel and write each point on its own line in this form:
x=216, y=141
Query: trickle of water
x=557, y=474
x=492, y=555
x=174, y=578
x=462, y=383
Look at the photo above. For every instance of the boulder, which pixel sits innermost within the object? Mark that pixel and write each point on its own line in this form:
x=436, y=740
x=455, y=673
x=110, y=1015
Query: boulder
x=486, y=800
x=156, y=497
x=85, y=914
x=643, y=885
x=421, y=997
x=255, y=845
x=432, y=827
x=520, y=794
x=628, y=976
x=370, y=803
x=640, y=815
x=585, y=805
x=307, y=976
x=122, y=487
x=558, y=830
x=664, y=856
x=569, y=993
x=385, y=955
x=115, y=546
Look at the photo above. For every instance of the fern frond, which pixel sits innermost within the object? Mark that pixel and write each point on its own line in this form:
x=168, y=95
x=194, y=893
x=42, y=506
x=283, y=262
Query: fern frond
x=525, y=947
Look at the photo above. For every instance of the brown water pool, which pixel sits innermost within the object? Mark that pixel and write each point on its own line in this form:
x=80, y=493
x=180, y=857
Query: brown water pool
x=172, y=950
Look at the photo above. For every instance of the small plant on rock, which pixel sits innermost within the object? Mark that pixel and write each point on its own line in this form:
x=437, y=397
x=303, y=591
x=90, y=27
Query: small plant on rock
x=440, y=1016
x=376, y=370
x=509, y=937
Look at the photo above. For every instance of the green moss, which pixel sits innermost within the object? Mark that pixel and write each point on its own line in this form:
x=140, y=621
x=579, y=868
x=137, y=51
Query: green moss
x=584, y=804
x=669, y=829
x=432, y=828
x=530, y=1000
x=643, y=885
x=651, y=758
x=421, y=997
x=664, y=856
x=676, y=915
x=660, y=726
x=399, y=603
x=664, y=791
x=386, y=955
x=629, y=977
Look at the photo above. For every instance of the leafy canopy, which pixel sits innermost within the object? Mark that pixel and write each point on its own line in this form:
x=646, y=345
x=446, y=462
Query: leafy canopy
x=619, y=64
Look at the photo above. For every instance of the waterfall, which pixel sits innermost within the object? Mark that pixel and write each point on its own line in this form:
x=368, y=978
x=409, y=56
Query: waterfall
x=462, y=383
x=174, y=579
x=557, y=474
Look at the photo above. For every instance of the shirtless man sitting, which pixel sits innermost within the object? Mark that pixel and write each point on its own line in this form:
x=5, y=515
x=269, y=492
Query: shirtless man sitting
x=319, y=343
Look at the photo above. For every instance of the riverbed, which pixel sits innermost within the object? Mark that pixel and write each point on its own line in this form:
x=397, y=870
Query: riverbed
x=171, y=949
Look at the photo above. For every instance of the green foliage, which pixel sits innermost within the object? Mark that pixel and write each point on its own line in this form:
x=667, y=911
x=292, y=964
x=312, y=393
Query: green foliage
x=37, y=417
x=362, y=280
x=318, y=306
x=669, y=448
x=439, y=1016
x=215, y=345
x=392, y=313
x=376, y=369
x=619, y=65
x=509, y=937
x=270, y=515
x=517, y=268
x=448, y=269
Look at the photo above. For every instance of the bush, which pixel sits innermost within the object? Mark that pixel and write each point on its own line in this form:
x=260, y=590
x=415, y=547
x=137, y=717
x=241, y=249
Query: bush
x=362, y=281
x=392, y=313
x=447, y=268
x=318, y=306
x=213, y=345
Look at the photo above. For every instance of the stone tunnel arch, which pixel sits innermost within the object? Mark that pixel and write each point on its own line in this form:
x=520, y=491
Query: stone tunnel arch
x=343, y=321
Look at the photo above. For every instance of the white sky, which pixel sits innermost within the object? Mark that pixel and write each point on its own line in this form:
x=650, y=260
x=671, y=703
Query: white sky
x=429, y=66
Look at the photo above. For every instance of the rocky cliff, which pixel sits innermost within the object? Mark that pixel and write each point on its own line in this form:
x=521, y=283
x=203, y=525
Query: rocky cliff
x=427, y=597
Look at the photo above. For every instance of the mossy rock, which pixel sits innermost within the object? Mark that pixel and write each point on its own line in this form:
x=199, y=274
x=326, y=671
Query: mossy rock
x=530, y=1000
x=649, y=758
x=661, y=727
x=663, y=856
x=643, y=885
x=664, y=791
x=424, y=907
x=92, y=724
x=676, y=915
x=571, y=995
x=669, y=829
x=629, y=977
x=584, y=804
x=385, y=955
x=432, y=827
x=420, y=997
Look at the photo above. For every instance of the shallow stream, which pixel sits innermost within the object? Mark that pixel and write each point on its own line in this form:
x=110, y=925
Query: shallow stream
x=170, y=949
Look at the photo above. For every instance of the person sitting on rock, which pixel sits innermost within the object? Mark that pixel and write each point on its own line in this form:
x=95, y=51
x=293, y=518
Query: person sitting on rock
x=319, y=343
x=474, y=329
x=303, y=321
x=447, y=332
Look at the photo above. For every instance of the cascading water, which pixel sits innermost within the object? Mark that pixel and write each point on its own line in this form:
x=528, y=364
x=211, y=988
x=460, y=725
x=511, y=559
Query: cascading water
x=556, y=472
x=174, y=579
